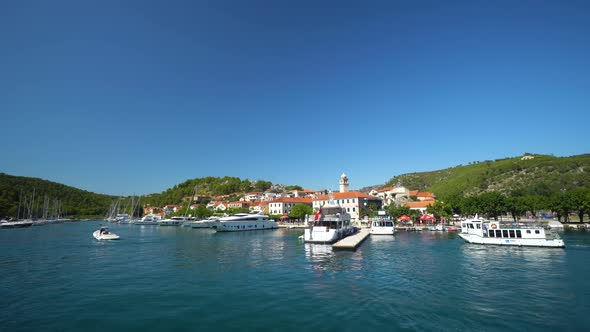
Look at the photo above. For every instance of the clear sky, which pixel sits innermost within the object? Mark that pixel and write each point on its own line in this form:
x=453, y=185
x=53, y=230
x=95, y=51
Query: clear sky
x=125, y=97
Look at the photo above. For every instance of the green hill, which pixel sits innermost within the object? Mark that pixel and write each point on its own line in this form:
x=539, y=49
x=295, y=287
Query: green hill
x=73, y=202
x=541, y=175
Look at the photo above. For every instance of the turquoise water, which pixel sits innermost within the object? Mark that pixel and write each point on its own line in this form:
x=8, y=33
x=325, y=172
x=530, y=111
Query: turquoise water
x=59, y=278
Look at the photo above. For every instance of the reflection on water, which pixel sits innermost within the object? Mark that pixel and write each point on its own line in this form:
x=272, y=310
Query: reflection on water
x=270, y=280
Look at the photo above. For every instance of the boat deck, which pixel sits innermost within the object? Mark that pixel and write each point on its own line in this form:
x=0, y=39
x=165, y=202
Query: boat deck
x=353, y=241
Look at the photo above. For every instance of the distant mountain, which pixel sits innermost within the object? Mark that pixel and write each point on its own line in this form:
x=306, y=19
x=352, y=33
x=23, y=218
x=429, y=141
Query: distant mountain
x=528, y=174
x=73, y=202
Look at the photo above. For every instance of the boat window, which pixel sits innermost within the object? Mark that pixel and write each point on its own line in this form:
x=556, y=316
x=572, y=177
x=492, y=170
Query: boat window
x=518, y=234
x=470, y=226
x=512, y=233
x=498, y=233
x=528, y=231
x=491, y=233
x=537, y=231
x=478, y=226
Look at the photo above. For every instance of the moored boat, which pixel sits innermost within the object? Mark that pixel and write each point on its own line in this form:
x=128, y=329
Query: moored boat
x=205, y=223
x=104, y=234
x=16, y=224
x=244, y=222
x=382, y=226
x=148, y=219
x=330, y=224
x=174, y=221
x=493, y=232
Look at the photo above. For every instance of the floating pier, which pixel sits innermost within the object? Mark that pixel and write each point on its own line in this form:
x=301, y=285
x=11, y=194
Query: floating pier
x=353, y=241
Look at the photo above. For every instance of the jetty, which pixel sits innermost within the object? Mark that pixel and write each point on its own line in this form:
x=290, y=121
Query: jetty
x=353, y=241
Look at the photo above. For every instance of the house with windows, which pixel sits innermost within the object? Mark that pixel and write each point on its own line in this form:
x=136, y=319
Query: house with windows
x=170, y=209
x=259, y=207
x=238, y=205
x=284, y=205
x=425, y=196
x=392, y=195
x=420, y=205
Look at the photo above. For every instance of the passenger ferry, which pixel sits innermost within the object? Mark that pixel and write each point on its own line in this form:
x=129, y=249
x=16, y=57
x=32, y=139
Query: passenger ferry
x=244, y=222
x=329, y=225
x=493, y=232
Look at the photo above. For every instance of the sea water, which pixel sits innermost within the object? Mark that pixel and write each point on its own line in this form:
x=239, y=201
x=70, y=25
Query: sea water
x=59, y=278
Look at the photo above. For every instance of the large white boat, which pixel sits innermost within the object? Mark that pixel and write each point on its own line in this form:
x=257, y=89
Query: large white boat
x=148, y=219
x=174, y=221
x=205, y=223
x=329, y=225
x=244, y=222
x=493, y=232
x=382, y=226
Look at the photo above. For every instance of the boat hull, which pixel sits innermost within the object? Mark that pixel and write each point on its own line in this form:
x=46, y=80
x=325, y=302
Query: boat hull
x=242, y=226
x=382, y=230
x=519, y=242
x=320, y=234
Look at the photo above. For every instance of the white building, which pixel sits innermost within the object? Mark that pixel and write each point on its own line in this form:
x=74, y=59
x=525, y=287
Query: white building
x=284, y=205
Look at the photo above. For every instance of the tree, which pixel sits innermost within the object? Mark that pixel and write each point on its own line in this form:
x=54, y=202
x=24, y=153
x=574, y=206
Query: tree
x=562, y=204
x=516, y=206
x=300, y=210
x=492, y=204
x=581, y=202
x=203, y=212
x=440, y=209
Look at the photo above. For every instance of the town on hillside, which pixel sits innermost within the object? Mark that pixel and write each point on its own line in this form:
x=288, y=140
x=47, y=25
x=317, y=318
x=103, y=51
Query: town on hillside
x=357, y=204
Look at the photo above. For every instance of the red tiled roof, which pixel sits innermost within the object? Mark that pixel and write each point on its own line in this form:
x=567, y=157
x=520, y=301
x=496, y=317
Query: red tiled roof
x=425, y=194
x=349, y=194
x=413, y=192
x=419, y=204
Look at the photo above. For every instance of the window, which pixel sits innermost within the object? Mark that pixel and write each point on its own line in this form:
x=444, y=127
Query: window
x=347, y=209
x=518, y=234
x=347, y=201
x=537, y=231
x=353, y=200
x=504, y=233
x=528, y=231
x=470, y=226
x=511, y=232
x=353, y=209
x=491, y=233
x=498, y=233
x=478, y=226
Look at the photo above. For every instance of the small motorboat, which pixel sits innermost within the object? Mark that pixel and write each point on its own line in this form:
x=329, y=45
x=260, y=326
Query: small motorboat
x=104, y=234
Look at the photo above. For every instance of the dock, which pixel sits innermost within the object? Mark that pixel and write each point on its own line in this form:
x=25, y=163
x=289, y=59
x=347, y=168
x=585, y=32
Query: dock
x=353, y=241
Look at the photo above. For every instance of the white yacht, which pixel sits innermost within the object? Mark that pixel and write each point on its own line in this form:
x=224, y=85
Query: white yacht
x=329, y=225
x=493, y=232
x=122, y=218
x=244, y=222
x=174, y=221
x=382, y=226
x=104, y=234
x=205, y=223
x=148, y=219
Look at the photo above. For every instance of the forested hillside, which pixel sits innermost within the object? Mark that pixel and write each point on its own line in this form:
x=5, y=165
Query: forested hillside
x=542, y=175
x=73, y=202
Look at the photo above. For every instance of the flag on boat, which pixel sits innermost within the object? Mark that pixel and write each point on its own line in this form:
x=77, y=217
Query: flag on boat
x=318, y=214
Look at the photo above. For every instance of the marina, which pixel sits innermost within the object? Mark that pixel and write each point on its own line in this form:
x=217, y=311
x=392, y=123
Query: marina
x=397, y=276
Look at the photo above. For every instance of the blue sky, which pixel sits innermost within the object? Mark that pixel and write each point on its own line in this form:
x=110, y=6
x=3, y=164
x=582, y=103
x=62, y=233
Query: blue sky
x=125, y=97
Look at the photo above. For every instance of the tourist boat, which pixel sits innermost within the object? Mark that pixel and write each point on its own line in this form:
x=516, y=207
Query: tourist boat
x=148, y=219
x=493, y=232
x=174, y=221
x=330, y=224
x=440, y=227
x=244, y=222
x=382, y=227
x=104, y=234
x=205, y=223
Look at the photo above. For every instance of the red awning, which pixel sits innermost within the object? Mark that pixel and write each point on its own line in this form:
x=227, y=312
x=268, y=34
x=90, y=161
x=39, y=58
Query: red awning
x=427, y=217
x=404, y=218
